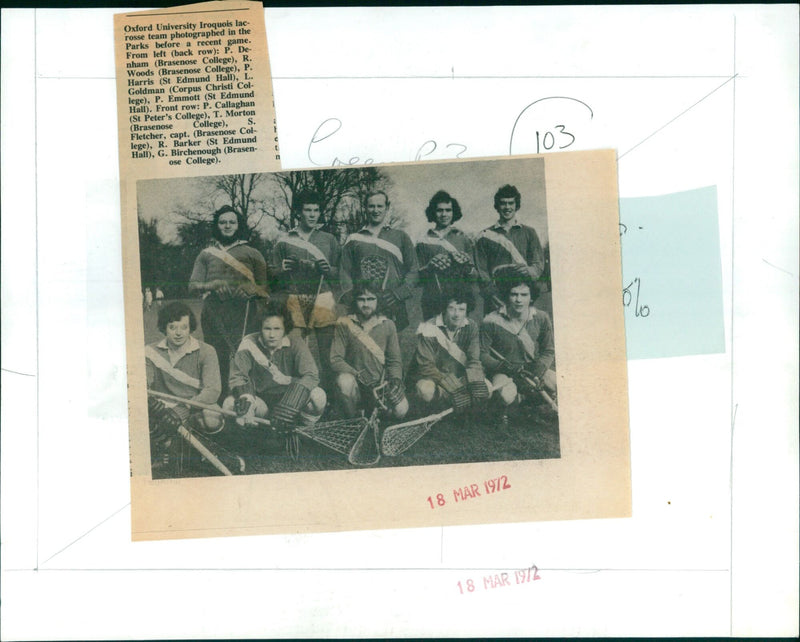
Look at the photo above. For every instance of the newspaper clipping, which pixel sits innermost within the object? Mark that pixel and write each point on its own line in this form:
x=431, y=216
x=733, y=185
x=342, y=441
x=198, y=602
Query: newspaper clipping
x=355, y=347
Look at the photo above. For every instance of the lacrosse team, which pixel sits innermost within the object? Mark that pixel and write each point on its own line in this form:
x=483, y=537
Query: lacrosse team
x=259, y=316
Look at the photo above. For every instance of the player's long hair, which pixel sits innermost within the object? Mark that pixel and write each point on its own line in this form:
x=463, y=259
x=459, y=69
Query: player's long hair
x=362, y=286
x=452, y=292
x=442, y=197
x=242, y=231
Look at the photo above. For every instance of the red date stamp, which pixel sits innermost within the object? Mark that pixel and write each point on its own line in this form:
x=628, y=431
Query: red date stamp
x=499, y=580
x=471, y=491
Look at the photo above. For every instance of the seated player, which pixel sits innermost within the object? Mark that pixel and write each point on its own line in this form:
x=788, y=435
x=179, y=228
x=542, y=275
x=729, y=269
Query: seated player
x=274, y=375
x=446, y=365
x=365, y=355
x=517, y=348
x=182, y=366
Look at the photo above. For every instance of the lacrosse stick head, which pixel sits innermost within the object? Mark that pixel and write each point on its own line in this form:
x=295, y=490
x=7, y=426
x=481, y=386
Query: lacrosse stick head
x=366, y=450
x=356, y=438
x=399, y=438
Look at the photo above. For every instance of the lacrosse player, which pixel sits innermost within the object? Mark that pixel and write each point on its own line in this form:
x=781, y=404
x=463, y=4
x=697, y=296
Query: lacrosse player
x=182, y=366
x=274, y=374
x=506, y=245
x=446, y=365
x=306, y=264
x=229, y=274
x=517, y=348
x=366, y=357
x=384, y=255
x=444, y=253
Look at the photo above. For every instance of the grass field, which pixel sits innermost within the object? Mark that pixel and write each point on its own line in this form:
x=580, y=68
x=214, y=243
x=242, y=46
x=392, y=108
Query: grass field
x=533, y=431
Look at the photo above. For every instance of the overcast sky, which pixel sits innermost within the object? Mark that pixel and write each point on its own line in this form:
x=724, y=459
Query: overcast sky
x=473, y=183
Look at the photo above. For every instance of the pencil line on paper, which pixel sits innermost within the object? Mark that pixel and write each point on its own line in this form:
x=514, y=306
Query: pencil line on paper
x=77, y=539
x=452, y=569
x=75, y=77
x=36, y=252
x=733, y=290
x=440, y=77
x=23, y=374
x=667, y=124
x=777, y=268
x=180, y=13
x=452, y=76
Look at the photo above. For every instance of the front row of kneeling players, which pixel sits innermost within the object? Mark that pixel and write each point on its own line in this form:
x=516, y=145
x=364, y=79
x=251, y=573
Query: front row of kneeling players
x=273, y=373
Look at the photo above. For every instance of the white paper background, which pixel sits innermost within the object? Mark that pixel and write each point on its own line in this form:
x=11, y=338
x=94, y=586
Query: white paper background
x=695, y=559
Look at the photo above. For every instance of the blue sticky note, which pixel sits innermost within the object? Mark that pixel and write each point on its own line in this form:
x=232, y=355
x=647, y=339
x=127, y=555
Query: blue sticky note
x=672, y=274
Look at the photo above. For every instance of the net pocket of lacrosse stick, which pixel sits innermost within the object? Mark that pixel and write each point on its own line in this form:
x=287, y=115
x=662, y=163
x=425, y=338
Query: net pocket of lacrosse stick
x=354, y=438
x=400, y=437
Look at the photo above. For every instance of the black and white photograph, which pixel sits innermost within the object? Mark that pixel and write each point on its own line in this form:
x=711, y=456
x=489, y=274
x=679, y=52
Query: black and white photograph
x=347, y=318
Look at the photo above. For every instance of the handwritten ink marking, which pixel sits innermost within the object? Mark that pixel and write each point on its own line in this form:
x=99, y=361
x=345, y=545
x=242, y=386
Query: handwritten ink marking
x=554, y=136
x=500, y=580
x=425, y=149
x=429, y=146
x=457, y=145
x=623, y=229
x=628, y=298
x=326, y=129
x=330, y=126
x=471, y=491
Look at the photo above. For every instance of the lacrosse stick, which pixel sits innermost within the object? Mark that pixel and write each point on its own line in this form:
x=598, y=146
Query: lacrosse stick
x=529, y=381
x=376, y=393
x=246, y=314
x=211, y=457
x=233, y=461
x=400, y=437
x=366, y=451
x=203, y=406
x=385, y=277
x=314, y=305
x=356, y=438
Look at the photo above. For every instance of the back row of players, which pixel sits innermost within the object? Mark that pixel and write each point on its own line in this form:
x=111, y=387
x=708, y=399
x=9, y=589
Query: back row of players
x=255, y=350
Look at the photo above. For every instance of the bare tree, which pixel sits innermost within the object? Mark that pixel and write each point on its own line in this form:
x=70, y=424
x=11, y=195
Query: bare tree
x=241, y=190
x=342, y=193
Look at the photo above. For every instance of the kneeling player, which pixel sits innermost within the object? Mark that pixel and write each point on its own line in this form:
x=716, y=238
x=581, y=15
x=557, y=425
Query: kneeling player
x=517, y=348
x=275, y=375
x=365, y=355
x=181, y=366
x=446, y=365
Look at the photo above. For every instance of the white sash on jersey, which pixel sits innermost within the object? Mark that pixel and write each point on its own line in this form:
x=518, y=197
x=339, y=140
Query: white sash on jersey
x=363, y=336
x=440, y=241
x=303, y=244
x=248, y=345
x=427, y=329
x=381, y=243
x=528, y=344
x=227, y=258
x=165, y=366
x=506, y=244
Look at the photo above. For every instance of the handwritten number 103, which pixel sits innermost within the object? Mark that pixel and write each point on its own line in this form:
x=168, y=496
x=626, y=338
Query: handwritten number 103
x=547, y=140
